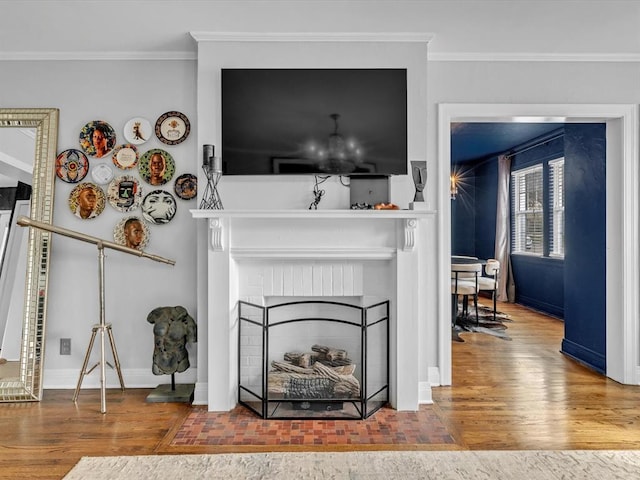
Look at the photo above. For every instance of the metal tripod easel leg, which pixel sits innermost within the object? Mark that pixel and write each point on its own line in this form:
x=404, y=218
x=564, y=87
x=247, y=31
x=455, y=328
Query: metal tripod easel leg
x=103, y=328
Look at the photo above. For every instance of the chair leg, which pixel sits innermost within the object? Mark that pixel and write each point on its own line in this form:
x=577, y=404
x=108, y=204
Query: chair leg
x=475, y=303
x=495, y=295
x=454, y=309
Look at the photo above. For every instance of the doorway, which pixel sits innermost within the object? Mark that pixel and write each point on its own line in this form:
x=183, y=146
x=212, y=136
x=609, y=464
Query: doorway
x=622, y=282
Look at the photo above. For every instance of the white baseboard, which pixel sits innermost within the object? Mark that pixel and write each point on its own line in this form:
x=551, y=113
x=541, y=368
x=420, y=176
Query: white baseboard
x=424, y=393
x=201, y=394
x=133, y=378
x=434, y=376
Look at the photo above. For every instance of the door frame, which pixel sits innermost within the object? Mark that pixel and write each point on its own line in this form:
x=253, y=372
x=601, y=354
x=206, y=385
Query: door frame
x=622, y=224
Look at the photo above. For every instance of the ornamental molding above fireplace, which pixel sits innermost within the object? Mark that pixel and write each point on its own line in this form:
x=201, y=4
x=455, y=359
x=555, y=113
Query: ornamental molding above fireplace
x=260, y=255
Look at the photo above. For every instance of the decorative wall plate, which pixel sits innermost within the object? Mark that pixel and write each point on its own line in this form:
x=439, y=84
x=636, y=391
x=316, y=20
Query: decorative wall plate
x=125, y=156
x=156, y=166
x=137, y=131
x=72, y=165
x=124, y=193
x=97, y=138
x=172, y=128
x=86, y=200
x=186, y=186
x=131, y=232
x=158, y=207
x=102, y=174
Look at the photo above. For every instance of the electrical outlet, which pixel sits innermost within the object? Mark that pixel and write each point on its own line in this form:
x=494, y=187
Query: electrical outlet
x=65, y=346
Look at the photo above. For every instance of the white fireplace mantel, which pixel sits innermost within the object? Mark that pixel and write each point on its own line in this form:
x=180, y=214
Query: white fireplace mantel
x=385, y=248
x=410, y=218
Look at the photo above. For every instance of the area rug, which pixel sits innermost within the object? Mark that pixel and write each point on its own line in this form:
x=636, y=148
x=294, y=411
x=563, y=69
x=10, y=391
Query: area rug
x=241, y=427
x=485, y=324
x=441, y=465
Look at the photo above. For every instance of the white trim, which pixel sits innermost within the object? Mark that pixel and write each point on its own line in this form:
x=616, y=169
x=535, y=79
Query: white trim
x=91, y=56
x=199, y=36
x=67, y=378
x=623, y=278
x=287, y=214
x=355, y=253
x=424, y=393
x=532, y=57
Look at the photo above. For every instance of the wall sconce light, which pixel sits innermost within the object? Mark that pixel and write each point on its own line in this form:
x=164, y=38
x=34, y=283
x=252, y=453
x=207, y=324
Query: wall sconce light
x=453, y=186
x=212, y=167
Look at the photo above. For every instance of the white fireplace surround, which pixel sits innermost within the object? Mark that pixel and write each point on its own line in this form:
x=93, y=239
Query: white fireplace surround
x=258, y=255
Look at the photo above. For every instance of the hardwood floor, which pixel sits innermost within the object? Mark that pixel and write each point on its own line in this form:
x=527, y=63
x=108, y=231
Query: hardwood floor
x=524, y=394
x=519, y=394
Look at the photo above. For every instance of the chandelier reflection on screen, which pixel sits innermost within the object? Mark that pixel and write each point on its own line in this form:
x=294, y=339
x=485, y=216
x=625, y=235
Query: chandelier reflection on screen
x=337, y=155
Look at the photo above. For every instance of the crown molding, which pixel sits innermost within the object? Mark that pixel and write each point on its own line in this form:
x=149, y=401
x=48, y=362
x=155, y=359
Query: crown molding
x=532, y=57
x=322, y=37
x=312, y=37
x=86, y=56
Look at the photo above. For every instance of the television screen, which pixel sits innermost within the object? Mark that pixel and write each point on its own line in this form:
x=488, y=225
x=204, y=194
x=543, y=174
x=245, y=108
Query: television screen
x=316, y=121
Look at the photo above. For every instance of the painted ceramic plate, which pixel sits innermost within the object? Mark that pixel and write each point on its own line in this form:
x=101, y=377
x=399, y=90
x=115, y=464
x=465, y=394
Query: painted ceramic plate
x=156, y=166
x=125, y=156
x=186, y=186
x=124, y=193
x=86, y=200
x=97, y=138
x=158, y=207
x=137, y=131
x=131, y=232
x=72, y=166
x=172, y=128
x=102, y=174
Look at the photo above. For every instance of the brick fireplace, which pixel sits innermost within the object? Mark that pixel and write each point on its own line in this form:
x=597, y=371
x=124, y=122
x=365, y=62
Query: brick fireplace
x=265, y=257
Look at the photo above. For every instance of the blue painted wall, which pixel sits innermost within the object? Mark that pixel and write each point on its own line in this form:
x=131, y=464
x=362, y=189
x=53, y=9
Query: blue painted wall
x=463, y=216
x=585, y=240
x=540, y=280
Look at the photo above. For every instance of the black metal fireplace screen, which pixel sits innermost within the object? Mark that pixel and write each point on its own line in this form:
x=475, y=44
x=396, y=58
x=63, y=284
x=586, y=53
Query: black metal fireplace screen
x=313, y=359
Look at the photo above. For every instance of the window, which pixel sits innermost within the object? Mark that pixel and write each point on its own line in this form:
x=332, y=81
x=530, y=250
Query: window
x=556, y=207
x=528, y=213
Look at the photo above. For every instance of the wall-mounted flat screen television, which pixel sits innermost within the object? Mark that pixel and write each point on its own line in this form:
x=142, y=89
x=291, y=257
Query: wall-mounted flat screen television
x=314, y=121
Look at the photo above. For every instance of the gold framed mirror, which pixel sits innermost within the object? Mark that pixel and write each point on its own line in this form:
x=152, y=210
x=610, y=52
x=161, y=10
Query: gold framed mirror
x=27, y=385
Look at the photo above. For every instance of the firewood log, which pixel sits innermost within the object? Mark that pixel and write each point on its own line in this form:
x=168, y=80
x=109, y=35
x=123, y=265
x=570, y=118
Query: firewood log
x=303, y=360
x=288, y=367
x=330, y=353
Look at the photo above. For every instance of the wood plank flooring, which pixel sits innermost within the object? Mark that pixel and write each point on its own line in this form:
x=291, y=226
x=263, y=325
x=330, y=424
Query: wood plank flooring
x=524, y=394
x=519, y=394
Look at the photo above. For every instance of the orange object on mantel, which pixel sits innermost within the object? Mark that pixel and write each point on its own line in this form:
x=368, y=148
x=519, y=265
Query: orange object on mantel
x=385, y=206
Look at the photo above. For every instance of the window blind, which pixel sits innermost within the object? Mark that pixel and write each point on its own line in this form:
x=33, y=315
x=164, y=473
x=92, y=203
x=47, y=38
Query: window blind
x=527, y=215
x=556, y=207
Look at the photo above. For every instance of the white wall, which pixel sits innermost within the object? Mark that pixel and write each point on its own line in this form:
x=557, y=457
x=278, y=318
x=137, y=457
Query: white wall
x=113, y=91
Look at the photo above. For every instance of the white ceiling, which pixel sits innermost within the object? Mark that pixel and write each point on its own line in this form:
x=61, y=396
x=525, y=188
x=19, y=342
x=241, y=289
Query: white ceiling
x=89, y=29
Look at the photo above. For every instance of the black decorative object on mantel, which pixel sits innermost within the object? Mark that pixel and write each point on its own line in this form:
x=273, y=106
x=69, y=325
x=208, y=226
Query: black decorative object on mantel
x=212, y=167
x=419, y=175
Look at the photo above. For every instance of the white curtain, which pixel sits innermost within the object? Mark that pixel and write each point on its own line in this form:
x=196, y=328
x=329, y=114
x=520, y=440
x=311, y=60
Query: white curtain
x=506, y=286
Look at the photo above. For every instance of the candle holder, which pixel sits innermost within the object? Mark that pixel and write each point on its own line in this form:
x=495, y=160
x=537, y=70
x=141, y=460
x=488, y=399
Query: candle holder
x=212, y=167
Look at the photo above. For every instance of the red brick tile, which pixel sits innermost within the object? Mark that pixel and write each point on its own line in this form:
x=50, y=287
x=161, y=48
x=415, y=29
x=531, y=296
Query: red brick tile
x=243, y=427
